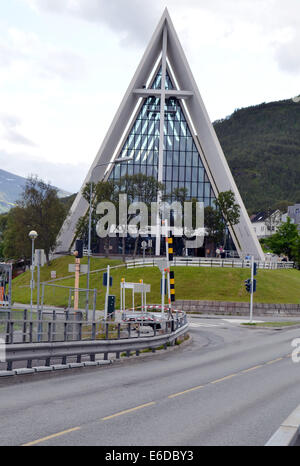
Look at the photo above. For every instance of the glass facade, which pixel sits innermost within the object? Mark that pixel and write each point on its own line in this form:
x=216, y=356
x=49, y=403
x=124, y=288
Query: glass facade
x=182, y=165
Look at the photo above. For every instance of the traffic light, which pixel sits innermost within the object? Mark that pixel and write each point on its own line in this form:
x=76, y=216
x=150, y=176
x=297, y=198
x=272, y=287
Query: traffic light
x=105, y=279
x=79, y=248
x=254, y=268
x=254, y=286
x=111, y=305
x=248, y=285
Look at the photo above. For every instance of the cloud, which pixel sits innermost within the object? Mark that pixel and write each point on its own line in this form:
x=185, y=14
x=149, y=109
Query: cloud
x=10, y=133
x=132, y=20
x=287, y=54
x=44, y=59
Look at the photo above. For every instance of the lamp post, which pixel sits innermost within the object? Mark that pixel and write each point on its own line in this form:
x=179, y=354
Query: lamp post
x=32, y=235
x=118, y=160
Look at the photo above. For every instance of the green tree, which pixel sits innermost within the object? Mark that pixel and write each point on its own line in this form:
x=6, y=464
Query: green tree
x=38, y=209
x=138, y=187
x=214, y=225
x=285, y=240
x=230, y=210
x=3, y=227
x=103, y=191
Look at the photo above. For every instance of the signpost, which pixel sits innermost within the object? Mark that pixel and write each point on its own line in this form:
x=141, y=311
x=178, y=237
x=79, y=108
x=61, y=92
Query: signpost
x=144, y=247
x=141, y=287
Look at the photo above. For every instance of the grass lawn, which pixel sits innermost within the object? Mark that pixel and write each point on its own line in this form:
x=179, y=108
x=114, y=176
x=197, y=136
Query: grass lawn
x=272, y=324
x=191, y=283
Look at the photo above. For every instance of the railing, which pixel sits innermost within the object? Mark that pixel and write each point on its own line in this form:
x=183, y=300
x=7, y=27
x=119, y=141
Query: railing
x=60, y=336
x=212, y=262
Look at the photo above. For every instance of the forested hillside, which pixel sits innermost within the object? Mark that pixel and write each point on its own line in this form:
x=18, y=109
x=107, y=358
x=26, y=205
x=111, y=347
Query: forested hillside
x=11, y=188
x=262, y=146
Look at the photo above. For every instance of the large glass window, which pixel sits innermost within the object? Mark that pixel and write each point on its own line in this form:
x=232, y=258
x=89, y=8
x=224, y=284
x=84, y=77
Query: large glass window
x=182, y=163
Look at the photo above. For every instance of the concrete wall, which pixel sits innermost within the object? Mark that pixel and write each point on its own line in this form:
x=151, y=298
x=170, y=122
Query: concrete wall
x=236, y=308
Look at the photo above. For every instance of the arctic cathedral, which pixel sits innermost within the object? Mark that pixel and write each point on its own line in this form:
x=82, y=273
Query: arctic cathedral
x=162, y=130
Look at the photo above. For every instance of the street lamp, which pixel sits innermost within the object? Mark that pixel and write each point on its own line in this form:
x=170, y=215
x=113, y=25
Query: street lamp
x=118, y=160
x=32, y=235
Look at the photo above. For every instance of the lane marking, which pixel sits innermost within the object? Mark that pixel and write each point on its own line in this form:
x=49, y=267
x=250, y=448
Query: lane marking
x=274, y=360
x=242, y=321
x=253, y=368
x=198, y=387
x=126, y=411
x=196, y=325
x=186, y=391
x=224, y=378
x=49, y=437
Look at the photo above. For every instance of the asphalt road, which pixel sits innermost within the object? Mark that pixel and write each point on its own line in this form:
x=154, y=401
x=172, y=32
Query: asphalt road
x=231, y=386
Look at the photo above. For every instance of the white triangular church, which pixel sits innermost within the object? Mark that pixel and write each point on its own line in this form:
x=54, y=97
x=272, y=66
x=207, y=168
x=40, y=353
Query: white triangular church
x=163, y=126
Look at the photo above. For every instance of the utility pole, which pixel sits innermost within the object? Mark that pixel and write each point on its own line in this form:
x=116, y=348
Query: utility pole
x=251, y=294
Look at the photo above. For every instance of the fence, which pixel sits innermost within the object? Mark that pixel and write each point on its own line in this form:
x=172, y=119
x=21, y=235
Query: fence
x=64, y=335
x=65, y=297
x=211, y=262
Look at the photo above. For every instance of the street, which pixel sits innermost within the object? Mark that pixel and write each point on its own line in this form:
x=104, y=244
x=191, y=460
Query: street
x=232, y=385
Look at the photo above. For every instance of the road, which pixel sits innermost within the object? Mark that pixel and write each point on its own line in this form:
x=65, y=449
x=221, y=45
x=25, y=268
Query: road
x=232, y=385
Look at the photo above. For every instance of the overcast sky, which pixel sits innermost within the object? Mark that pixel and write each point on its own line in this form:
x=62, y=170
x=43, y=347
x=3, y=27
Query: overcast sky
x=66, y=64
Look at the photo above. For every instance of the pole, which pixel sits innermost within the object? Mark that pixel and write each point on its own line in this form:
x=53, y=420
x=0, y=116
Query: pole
x=121, y=296
x=107, y=293
x=39, y=253
x=142, y=297
x=126, y=159
x=89, y=250
x=251, y=294
x=32, y=269
x=163, y=294
x=168, y=268
x=76, y=291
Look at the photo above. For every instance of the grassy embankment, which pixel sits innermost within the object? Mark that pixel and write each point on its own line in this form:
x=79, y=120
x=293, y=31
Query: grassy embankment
x=191, y=283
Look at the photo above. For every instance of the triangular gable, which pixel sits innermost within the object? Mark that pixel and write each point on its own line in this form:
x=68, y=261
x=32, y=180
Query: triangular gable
x=165, y=42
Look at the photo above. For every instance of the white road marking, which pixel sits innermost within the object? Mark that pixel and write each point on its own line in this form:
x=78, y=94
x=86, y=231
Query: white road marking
x=194, y=324
x=242, y=321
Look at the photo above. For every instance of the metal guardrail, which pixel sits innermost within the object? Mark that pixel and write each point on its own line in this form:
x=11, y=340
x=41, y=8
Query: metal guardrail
x=46, y=340
x=211, y=262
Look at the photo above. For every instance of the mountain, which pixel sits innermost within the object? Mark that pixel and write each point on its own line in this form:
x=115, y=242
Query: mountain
x=11, y=187
x=262, y=146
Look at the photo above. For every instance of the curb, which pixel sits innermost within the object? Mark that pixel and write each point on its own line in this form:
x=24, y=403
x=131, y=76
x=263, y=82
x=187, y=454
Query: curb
x=53, y=368
x=288, y=432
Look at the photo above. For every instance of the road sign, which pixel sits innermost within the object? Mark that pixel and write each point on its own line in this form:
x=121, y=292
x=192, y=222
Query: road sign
x=83, y=268
x=137, y=287
x=39, y=257
x=162, y=264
